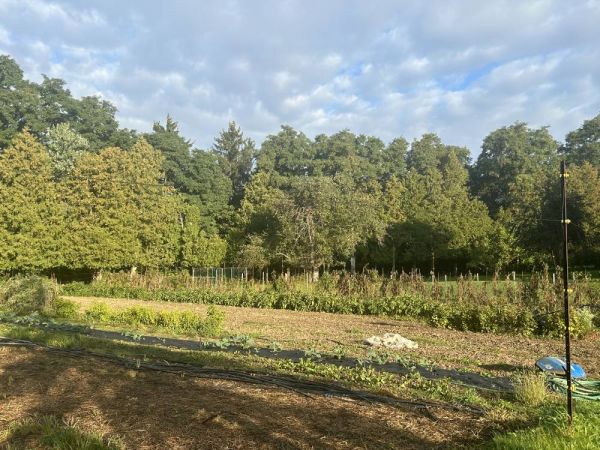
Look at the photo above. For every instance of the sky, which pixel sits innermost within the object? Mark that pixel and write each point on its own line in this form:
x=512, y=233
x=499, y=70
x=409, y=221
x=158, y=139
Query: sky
x=385, y=68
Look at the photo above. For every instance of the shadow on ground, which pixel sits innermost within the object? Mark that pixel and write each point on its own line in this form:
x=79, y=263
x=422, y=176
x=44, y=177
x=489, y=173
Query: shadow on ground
x=468, y=378
x=157, y=410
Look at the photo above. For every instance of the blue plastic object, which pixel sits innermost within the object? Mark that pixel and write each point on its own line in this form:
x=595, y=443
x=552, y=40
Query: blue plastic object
x=558, y=366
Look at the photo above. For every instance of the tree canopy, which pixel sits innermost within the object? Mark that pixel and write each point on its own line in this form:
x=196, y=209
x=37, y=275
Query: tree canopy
x=79, y=192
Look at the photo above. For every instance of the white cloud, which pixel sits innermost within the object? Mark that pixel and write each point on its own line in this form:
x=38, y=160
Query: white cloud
x=460, y=69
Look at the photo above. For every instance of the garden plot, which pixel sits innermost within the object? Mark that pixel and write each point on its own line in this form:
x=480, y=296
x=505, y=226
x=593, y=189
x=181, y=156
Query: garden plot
x=325, y=333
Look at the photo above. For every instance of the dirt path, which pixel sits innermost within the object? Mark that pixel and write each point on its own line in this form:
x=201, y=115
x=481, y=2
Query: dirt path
x=497, y=355
x=148, y=410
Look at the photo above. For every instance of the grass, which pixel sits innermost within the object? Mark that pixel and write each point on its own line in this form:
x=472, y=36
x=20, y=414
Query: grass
x=531, y=389
x=553, y=433
x=51, y=433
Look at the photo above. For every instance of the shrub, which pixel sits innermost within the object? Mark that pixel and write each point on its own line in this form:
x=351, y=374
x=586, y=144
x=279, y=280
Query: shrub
x=582, y=323
x=24, y=295
x=64, y=309
x=213, y=324
x=98, y=312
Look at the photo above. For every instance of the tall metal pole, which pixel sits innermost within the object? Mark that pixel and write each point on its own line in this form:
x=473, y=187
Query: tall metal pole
x=565, y=222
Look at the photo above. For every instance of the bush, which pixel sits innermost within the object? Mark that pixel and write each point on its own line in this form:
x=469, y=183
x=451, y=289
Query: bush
x=582, y=323
x=64, y=309
x=24, y=295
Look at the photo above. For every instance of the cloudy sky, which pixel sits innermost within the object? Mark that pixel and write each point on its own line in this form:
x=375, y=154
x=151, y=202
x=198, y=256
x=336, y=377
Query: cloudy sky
x=385, y=68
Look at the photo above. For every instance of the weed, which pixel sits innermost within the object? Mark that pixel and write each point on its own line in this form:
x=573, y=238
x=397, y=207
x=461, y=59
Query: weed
x=530, y=388
x=312, y=354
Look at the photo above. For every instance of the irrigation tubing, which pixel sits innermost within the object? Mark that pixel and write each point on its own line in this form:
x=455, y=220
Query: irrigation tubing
x=299, y=386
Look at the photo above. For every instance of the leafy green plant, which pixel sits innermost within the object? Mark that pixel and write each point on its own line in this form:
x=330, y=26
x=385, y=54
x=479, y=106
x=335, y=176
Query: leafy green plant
x=64, y=309
x=312, y=354
x=582, y=322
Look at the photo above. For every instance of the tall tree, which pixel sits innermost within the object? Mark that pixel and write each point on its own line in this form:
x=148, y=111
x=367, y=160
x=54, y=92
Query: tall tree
x=583, y=144
x=430, y=152
x=19, y=102
x=442, y=221
x=287, y=153
x=120, y=215
x=314, y=221
x=195, y=173
x=31, y=214
x=236, y=155
x=507, y=153
x=197, y=248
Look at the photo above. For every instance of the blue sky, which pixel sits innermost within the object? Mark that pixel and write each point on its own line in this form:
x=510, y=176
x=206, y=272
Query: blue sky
x=384, y=68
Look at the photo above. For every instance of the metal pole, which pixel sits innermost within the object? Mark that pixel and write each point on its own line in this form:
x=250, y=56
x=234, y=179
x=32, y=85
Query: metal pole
x=565, y=222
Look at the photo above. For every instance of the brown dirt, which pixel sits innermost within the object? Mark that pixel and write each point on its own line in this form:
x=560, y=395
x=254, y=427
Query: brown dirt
x=494, y=354
x=149, y=410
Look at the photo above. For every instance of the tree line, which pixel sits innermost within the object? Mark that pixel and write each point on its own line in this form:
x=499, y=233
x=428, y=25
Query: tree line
x=77, y=192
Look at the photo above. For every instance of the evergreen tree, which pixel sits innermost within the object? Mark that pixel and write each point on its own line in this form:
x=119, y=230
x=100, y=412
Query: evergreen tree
x=31, y=214
x=236, y=155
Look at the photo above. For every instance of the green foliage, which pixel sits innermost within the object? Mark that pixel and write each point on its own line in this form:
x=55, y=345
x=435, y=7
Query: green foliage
x=553, y=432
x=583, y=144
x=462, y=305
x=194, y=173
x=507, y=153
x=64, y=309
x=120, y=215
x=198, y=249
x=31, y=215
x=64, y=146
x=94, y=197
x=24, y=295
x=174, y=321
x=582, y=322
x=235, y=155
x=311, y=221
x=50, y=432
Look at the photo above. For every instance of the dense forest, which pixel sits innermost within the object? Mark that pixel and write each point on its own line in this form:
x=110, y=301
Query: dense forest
x=79, y=193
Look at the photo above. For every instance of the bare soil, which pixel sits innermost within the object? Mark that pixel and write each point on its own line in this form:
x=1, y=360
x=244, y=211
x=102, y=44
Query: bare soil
x=493, y=354
x=150, y=410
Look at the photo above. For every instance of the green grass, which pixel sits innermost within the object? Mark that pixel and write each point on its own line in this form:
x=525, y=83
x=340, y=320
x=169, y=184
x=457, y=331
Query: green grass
x=553, y=433
x=49, y=432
